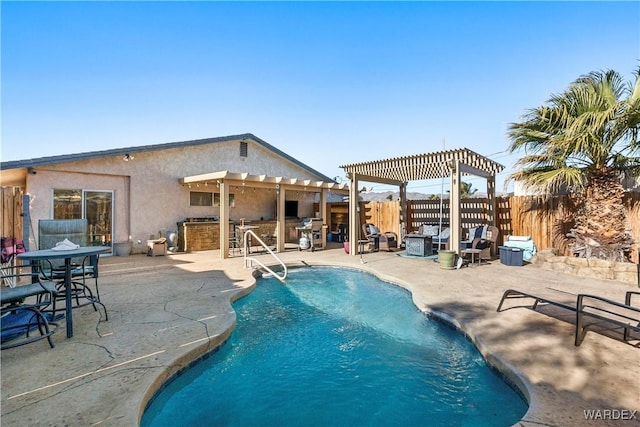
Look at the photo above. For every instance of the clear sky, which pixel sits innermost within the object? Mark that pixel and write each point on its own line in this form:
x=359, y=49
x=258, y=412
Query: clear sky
x=329, y=83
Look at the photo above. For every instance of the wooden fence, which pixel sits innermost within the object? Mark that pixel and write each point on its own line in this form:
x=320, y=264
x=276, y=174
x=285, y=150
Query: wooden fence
x=547, y=221
x=12, y=224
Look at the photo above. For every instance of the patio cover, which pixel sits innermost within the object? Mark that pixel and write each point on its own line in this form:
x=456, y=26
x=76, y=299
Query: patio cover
x=441, y=164
x=225, y=179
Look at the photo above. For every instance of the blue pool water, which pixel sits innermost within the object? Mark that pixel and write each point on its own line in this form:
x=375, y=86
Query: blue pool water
x=337, y=347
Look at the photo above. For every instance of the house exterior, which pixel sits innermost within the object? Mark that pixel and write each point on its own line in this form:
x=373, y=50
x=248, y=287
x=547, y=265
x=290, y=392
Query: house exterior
x=140, y=193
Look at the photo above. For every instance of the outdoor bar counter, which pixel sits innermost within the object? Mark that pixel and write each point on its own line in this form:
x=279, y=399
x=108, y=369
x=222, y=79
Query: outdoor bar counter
x=197, y=234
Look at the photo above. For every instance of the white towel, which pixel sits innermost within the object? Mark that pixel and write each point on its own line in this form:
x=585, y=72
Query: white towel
x=518, y=238
x=65, y=245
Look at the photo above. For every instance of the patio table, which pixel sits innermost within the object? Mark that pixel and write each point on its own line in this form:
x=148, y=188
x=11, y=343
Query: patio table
x=67, y=255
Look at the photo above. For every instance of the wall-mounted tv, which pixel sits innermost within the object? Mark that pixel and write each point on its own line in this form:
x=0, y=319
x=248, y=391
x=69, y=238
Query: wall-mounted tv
x=291, y=208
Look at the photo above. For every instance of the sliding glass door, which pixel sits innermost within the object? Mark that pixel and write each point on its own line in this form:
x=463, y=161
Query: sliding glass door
x=98, y=209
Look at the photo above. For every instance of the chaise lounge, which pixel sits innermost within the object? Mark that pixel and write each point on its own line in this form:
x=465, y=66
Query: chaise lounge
x=601, y=310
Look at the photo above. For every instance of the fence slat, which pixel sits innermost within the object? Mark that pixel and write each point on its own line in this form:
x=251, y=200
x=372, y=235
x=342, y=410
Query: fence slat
x=11, y=212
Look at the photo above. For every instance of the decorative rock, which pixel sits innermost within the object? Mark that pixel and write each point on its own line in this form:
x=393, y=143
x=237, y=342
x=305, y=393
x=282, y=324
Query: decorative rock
x=624, y=272
x=577, y=262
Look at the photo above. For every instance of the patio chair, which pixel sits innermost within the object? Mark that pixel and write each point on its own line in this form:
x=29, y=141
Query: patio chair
x=10, y=248
x=487, y=244
x=52, y=231
x=441, y=241
x=234, y=242
x=22, y=307
x=270, y=238
x=385, y=241
x=429, y=230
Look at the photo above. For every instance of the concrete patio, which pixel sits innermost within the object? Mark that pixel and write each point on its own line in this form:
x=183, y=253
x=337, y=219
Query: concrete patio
x=166, y=311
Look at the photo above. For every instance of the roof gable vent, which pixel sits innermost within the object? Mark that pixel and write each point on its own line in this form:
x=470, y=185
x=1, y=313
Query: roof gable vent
x=244, y=149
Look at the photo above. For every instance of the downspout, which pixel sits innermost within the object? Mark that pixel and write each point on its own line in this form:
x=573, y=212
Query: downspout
x=127, y=186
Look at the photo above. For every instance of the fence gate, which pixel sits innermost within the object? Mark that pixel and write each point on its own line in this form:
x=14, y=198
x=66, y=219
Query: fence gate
x=12, y=206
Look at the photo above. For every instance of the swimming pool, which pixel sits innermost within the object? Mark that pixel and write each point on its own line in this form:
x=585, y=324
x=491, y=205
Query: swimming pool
x=337, y=346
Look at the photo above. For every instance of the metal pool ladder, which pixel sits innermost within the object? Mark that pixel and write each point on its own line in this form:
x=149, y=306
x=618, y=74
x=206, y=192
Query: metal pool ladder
x=248, y=260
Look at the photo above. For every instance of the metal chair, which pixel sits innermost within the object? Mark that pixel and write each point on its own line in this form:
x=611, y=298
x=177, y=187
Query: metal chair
x=22, y=307
x=234, y=241
x=52, y=231
x=10, y=248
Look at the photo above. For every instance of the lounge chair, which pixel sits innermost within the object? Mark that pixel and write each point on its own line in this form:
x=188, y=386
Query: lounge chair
x=386, y=241
x=22, y=307
x=603, y=310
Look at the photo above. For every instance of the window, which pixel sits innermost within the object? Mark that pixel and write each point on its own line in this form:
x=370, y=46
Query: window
x=244, y=149
x=216, y=199
x=198, y=198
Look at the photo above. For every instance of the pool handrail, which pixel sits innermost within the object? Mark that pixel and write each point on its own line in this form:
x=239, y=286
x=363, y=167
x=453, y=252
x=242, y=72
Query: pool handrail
x=249, y=259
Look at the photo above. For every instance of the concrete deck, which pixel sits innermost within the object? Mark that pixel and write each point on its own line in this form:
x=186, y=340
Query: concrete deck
x=166, y=311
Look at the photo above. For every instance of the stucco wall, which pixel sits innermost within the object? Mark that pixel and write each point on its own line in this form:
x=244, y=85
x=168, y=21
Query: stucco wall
x=41, y=185
x=158, y=201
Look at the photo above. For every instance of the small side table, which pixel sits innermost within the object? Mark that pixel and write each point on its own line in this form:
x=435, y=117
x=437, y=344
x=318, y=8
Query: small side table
x=156, y=247
x=473, y=253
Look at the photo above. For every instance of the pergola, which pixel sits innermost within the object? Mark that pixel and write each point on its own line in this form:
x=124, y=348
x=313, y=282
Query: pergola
x=399, y=171
x=224, y=180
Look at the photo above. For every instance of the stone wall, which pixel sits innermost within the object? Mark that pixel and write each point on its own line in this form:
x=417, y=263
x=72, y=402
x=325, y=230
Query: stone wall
x=624, y=272
x=204, y=236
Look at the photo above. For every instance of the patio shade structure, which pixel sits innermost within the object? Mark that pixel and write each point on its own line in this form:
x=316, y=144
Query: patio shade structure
x=441, y=164
x=224, y=180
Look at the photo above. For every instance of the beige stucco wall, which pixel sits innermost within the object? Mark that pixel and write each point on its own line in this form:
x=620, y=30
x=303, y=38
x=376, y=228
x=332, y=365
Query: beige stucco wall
x=151, y=182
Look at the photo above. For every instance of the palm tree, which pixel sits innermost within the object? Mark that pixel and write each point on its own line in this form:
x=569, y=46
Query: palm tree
x=585, y=140
x=465, y=190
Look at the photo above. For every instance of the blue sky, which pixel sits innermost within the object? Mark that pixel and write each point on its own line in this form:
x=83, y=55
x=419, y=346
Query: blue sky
x=330, y=83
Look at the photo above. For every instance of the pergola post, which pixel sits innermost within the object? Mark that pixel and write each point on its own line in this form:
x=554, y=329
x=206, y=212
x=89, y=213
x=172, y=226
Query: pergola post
x=354, y=217
x=326, y=223
x=224, y=220
x=403, y=210
x=454, y=207
x=491, y=201
x=280, y=219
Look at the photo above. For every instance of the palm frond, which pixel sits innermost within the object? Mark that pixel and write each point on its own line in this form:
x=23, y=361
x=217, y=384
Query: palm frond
x=593, y=125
